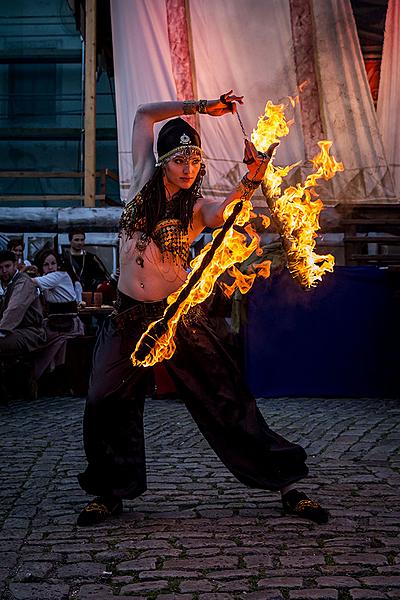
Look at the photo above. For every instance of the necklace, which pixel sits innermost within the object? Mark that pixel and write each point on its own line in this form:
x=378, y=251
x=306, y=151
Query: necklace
x=78, y=275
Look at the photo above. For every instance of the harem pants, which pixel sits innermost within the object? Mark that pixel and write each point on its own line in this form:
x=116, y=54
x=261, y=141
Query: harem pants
x=208, y=379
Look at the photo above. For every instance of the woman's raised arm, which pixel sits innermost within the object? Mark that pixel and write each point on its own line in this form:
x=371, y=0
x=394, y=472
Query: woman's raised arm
x=149, y=114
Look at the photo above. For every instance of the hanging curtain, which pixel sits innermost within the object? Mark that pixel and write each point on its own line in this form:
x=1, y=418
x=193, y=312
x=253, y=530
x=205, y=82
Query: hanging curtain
x=348, y=113
x=389, y=92
x=234, y=44
x=262, y=49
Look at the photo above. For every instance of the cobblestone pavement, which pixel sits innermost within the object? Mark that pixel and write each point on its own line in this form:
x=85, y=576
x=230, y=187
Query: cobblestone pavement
x=197, y=533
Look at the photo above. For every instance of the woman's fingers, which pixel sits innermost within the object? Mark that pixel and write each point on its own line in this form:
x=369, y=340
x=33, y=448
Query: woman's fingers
x=271, y=149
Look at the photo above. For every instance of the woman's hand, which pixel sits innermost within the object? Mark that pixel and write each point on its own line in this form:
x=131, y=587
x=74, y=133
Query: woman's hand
x=218, y=108
x=257, y=162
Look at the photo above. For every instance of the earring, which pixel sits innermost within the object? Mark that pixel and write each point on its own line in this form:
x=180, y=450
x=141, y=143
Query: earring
x=202, y=169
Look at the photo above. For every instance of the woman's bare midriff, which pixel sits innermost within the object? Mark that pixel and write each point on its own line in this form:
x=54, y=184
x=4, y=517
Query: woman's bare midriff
x=159, y=277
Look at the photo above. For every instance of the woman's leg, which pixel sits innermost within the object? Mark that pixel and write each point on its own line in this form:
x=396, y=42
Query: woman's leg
x=210, y=381
x=113, y=419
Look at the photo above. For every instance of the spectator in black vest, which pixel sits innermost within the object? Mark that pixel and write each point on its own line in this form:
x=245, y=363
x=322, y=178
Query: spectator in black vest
x=81, y=265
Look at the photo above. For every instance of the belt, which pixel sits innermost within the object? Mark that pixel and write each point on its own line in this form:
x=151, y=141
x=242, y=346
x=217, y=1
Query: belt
x=148, y=311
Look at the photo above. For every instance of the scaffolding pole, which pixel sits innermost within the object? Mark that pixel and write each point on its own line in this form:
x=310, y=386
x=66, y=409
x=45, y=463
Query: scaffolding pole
x=90, y=104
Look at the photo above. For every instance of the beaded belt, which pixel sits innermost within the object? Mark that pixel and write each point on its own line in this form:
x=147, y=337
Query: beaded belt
x=140, y=311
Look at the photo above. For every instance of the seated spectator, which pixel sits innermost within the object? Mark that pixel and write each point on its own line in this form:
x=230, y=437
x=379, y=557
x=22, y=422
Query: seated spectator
x=17, y=246
x=81, y=265
x=61, y=310
x=21, y=316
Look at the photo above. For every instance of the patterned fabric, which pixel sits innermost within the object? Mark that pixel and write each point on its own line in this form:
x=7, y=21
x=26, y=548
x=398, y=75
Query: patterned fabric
x=169, y=234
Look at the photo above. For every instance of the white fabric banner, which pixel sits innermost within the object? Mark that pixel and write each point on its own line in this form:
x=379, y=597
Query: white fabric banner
x=348, y=114
x=389, y=92
x=142, y=67
x=241, y=45
x=248, y=46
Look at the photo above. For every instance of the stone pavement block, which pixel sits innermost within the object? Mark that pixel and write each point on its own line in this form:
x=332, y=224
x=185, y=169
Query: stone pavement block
x=313, y=594
x=281, y=582
x=39, y=591
x=302, y=560
x=138, y=564
x=145, y=587
x=196, y=585
x=222, y=562
x=33, y=570
x=179, y=597
x=258, y=560
x=94, y=592
x=381, y=581
x=233, y=574
x=360, y=559
x=363, y=594
x=272, y=595
x=81, y=570
x=336, y=581
x=143, y=575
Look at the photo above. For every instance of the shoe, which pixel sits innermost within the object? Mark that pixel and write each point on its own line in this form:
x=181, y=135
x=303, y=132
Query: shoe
x=98, y=510
x=297, y=503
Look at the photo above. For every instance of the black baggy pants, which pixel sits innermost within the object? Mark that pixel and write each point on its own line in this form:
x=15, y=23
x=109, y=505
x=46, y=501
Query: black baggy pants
x=209, y=381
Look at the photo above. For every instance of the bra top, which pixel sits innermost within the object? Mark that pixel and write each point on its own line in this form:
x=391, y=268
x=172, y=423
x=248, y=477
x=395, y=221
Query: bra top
x=170, y=236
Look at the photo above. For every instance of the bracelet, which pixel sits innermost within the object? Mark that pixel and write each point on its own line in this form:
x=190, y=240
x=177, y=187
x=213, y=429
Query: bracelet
x=202, y=107
x=250, y=184
x=189, y=107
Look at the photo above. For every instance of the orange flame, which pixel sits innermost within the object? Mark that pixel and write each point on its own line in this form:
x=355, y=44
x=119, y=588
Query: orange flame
x=295, y=211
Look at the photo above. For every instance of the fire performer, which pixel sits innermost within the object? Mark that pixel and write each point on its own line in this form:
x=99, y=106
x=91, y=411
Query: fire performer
x=165, y=214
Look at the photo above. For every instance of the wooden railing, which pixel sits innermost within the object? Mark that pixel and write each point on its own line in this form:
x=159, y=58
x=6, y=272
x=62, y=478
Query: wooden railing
x=372, y=234
x=102, y=197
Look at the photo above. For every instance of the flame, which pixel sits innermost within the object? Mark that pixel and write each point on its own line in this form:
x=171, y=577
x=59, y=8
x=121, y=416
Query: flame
x=296, y=212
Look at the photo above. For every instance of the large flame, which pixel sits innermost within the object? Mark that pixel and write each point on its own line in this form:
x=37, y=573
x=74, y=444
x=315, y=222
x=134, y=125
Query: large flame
x=296, y=213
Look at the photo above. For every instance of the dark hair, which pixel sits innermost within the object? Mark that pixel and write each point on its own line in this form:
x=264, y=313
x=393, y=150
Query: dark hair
x=154, y=201
x=75, y=231
x=41, y=257
x=6, y=255
x=13, y=242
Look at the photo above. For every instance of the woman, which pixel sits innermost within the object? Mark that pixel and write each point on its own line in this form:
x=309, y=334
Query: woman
x=61, y=299
x=165, y=214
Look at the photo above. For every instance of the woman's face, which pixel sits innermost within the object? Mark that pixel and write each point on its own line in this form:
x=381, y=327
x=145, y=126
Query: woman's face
x=49, y=264
x=180, y=172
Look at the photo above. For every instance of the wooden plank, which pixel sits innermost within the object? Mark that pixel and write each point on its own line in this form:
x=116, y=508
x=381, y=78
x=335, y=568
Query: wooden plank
x=41, y=174
x=56, y=175
x=377, y=257
x=53, y=219
x=48, y=197
x=372, y=240
x=371, y=222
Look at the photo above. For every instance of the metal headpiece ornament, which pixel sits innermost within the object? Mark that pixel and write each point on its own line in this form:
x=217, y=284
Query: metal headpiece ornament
x=185, y=139
x=177, y=137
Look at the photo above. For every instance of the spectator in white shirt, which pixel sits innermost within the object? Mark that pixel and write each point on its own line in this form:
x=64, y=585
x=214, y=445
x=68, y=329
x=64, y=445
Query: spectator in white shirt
x=61, y=307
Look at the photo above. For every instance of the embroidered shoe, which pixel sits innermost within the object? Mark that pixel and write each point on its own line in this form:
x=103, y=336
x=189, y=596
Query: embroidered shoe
x=297, y=503
x=98, y=510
